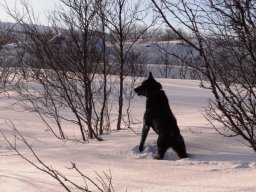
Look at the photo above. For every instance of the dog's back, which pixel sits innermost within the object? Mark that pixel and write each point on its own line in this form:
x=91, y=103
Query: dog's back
x=159, y=115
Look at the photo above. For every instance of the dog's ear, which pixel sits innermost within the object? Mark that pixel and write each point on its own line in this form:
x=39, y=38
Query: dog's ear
x=150, y=75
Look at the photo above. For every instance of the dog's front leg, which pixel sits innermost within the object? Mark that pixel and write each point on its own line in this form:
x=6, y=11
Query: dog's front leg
x=143, y=137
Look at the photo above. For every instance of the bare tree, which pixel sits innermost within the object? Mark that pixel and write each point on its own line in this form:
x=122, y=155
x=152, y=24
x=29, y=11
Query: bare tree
x=225, y=40
x=102, y=17
x=7, y=40
x=63, y=71
x=123, y=17
x=64, y=64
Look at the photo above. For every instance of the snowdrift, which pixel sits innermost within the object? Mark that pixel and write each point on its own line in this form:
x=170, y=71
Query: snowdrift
x=215, y=163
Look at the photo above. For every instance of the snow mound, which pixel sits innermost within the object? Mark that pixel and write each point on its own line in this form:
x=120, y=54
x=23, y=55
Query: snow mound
x=149, y=152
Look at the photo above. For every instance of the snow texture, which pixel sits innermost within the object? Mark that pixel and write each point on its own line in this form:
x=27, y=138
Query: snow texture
x=216, y=164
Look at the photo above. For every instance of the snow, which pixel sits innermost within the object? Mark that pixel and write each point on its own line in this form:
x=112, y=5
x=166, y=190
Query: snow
x=216, y=164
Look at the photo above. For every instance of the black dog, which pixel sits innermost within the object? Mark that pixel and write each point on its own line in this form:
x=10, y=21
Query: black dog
x=159, y=116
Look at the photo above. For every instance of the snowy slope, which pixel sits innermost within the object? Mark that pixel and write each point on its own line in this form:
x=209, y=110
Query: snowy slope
x=215, y=164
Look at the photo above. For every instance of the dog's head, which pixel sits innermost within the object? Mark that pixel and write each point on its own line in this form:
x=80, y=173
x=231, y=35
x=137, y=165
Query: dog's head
x=148, y=86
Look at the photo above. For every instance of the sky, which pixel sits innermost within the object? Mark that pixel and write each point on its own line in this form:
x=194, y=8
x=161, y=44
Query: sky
x=40, y=7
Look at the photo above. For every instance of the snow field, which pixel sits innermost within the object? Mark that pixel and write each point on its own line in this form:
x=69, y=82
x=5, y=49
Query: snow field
x=216, y=164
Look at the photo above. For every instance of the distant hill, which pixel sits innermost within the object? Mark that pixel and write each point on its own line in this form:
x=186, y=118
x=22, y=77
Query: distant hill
x=18, y=28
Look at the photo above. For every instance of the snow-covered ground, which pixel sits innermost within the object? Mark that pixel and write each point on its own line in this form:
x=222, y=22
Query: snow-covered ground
x=215, y=164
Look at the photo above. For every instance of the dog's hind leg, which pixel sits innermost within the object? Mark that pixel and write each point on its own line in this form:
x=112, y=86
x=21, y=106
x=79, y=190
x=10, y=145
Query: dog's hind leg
x=179, y=147
x=143, y=137
x=162, y=145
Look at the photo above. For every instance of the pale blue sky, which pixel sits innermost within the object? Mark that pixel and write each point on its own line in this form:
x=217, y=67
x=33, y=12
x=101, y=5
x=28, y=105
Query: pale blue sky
x=40, y=7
